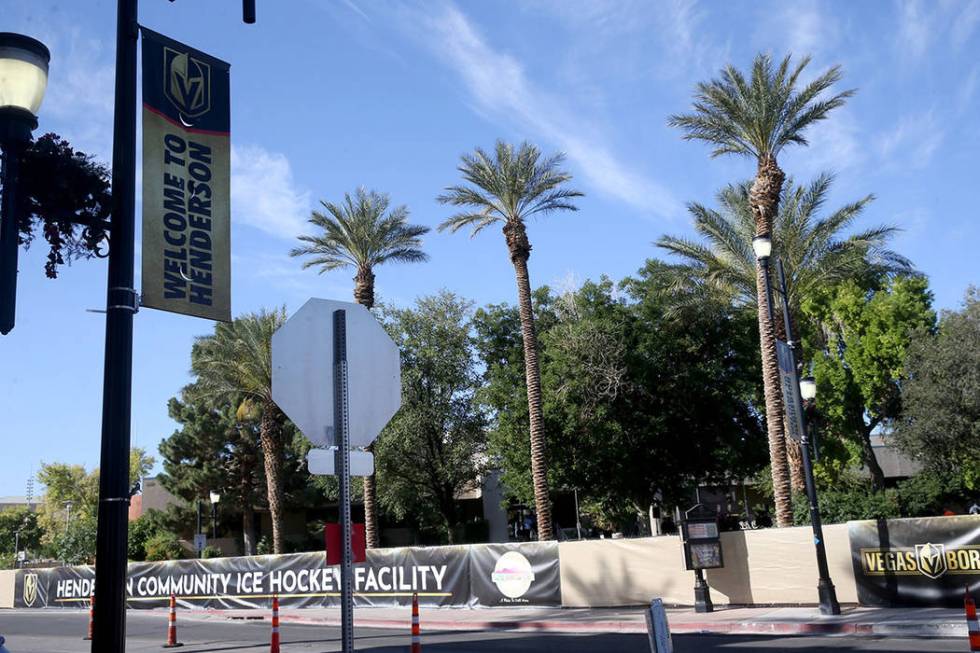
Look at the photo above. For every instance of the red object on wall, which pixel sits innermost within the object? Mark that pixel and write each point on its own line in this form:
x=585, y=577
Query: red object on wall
x=332, y=541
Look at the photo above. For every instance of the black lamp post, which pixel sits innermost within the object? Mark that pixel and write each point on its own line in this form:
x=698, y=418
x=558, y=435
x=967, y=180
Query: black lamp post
x=762, y=246
x=23, y=80
x=825, y=587
x=808, y=392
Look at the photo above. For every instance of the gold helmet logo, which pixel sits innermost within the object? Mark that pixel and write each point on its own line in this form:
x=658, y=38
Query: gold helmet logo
x=187, y=83
x=931, y=559
x=30, y=589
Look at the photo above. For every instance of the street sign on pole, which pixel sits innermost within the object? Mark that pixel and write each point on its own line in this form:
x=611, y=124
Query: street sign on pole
x=792, y=402
x=302, y=372
x=200, y=541
x=336, y=375
x=322, y=462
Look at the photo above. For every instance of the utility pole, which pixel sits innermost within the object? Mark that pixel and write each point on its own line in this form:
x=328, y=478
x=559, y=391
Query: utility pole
x=109, y=633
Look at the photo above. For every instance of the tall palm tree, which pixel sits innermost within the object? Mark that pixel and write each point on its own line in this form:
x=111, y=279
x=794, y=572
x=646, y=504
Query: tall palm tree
x=814, y=251
x=362, y=233
x=235, y=364
x=757, y=118
x=508, y=187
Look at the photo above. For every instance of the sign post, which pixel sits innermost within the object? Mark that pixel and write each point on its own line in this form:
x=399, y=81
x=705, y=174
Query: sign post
x=343, y=472
x=336, y=375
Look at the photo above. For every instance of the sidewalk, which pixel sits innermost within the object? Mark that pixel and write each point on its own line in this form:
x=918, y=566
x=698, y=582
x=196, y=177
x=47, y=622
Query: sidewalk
x=855, y=621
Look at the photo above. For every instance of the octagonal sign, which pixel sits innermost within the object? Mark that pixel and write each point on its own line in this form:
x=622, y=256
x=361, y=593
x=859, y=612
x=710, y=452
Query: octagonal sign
x=303, y=372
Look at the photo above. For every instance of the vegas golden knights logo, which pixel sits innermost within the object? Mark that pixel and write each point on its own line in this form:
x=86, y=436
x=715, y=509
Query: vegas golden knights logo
x=931, y=559
x=30, y=589
x=187, y=83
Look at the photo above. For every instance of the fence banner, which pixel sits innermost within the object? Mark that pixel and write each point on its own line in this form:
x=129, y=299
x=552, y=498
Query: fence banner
x=186, y=264
x=515, y=574
x=916, y=562
x=458, y=576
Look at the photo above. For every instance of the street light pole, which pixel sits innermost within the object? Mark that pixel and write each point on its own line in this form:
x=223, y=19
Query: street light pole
x=109, y=633
x=825, y=586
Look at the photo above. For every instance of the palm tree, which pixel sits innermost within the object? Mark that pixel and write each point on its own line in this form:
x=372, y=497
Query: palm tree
x=362, y=233
x=814, y=252
x=757, y=118
x=508, y=187
x=235, y=364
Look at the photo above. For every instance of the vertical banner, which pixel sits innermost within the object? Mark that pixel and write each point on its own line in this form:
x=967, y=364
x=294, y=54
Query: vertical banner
x=186, y=180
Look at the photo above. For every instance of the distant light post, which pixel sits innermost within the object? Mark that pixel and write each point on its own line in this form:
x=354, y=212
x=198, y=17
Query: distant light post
x=808, y=392
x=23, y=80
x=215, y=498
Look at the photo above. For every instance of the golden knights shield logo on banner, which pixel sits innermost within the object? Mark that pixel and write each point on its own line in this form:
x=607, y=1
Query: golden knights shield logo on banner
x=188, y=83
x=932, y=559
x=30, y=589
x=186, y=180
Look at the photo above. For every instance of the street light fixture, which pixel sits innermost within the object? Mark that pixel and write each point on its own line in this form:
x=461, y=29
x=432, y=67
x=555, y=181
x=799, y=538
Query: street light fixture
x=808, y=388
x=23, y=80
x=762, y=246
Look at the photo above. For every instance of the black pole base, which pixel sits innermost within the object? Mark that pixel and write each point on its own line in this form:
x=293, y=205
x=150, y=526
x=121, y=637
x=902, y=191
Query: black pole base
x=702, y=594
x=828, y=598
x=177, y=645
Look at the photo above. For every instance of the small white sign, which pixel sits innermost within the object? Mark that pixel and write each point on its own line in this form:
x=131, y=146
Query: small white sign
x=322, y=462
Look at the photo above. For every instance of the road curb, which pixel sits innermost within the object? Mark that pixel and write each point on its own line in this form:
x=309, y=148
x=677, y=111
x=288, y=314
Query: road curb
x=862, y=629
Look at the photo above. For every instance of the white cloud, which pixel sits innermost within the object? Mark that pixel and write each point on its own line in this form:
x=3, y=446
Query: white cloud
x=502, y=91
x=916, y=28
x=912, y=142
x=264, y=194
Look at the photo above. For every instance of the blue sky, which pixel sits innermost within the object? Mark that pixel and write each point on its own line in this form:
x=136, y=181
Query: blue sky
x=330, y=95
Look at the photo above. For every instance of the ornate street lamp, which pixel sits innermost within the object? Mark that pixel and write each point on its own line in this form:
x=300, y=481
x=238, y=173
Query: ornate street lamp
x=23, y=80
x=808, y=388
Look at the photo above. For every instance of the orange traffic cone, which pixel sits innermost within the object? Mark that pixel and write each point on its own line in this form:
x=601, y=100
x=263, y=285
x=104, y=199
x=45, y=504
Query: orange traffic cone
x=91, y=616
x=172, y=625
x=275, y=625
x=416, y=629
x=971, y=620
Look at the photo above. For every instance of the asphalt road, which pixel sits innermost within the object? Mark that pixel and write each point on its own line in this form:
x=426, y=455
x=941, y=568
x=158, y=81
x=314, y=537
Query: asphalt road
x=32, y=631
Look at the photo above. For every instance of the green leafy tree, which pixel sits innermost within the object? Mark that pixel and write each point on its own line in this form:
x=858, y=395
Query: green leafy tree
x=362, y=233
x=434, y=448
x=75, y=544
x=940, y=421
x=19, y=526
x=508, y=187
x=235, y=365
x=140, y=464
x=756, y=118
x=216, y=449
x=815, y=248
x=71, y=494
x=65, y=196
x=163, y=546
x=860, y=370
x=641, y=405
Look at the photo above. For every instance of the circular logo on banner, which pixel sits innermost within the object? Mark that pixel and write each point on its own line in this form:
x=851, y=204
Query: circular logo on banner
x=512, y=575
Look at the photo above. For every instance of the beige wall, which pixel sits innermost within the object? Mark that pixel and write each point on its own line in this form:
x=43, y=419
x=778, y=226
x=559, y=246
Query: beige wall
x=7, y=588
x=761, y=567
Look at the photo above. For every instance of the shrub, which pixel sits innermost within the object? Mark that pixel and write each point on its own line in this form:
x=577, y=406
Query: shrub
x=841, y=505
x=211, y=551
x=140, y=531
x=163, y=546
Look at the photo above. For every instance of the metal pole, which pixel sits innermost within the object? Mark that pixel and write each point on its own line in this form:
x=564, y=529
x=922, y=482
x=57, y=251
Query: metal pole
x=214, y=521
x=109, y=635
x=578, y=520
x=343, y=470
x=9, y=237
x=702, y=593
x=825, y=587
x=200, y=525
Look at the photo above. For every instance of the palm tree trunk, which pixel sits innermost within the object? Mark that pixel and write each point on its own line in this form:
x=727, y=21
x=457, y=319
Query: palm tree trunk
x=764, y=197
x=271, y=437
x=520, y=251
x=364, y=295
